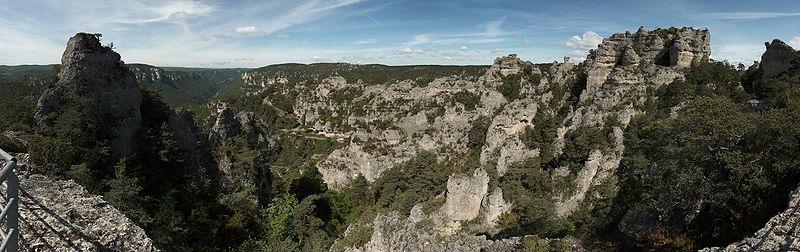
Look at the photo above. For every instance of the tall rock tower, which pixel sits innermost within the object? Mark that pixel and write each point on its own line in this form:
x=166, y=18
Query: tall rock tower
x=92, y=71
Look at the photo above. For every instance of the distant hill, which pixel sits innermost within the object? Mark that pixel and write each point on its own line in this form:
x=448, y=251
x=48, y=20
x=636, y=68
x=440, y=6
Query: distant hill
x=177, y=85
x=34, y=75
x=180, y=86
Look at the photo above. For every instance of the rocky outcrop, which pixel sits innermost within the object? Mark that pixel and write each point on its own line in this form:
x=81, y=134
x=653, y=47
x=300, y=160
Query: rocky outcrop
x=777, y=59
x=256, y=135
x=225, y=128
x=464, y=195
x=690, y=46
x=228, y=126
x=92, y=71
x=57, y=215
x=668, y=47
x=629, y=57
x=394, y=233
x=779, y=234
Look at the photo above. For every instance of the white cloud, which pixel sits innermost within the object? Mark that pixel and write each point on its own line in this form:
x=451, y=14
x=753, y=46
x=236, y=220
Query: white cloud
x=408, y=50
x=795, y=43
x=364, y=42
x=283, y=36
x=496, y=50
x=750, y=15
x=419, y=39
x=526, y=42
x=463, y=48
x=248, y=30
x=582, y=45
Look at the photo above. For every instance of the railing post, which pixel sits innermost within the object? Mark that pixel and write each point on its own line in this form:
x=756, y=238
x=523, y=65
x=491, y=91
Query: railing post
x=11, y=211
x=13, y=215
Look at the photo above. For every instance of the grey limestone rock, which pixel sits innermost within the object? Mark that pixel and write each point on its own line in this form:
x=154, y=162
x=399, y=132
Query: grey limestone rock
x=58, y=215
x=777, y=59
x=92, y=71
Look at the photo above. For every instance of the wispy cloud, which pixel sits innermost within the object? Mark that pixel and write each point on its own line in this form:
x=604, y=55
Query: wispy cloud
x=750, y=15
x=526, y=42
x=248, y=30
x=311, y=11
x=408, y=50
x=364, y=42
x=283, y=36
x=373, y=19
x=487, y=40
x=463, y=48
x=492, y=33
x=497, y=50
x=419, y=40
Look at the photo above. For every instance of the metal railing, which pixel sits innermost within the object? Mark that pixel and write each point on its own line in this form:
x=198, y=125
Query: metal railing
x=10, y=210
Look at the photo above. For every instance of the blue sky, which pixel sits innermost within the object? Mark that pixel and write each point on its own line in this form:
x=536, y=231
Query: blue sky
x=259, y=33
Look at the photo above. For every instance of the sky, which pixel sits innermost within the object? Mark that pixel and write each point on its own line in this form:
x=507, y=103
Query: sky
x=224, y=34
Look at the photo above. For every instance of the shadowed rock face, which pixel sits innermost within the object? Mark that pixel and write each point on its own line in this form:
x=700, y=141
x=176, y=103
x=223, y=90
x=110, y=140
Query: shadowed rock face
x=777, y=58
x=189, y=139
x=779, y=234
x=92, y=71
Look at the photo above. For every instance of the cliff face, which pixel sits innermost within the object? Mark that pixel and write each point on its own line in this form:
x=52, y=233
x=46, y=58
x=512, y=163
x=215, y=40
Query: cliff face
x=92, y=71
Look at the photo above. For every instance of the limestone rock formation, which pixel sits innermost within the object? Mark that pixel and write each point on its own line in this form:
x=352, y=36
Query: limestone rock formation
x=777, y=59
x=92, y=71
x=690, y=46
x=464, y=195
x=668, y=47
x=629, y=57
x=57, y=215
x=394, y=233
x=225, y=128
x=229, y=126
x=779, y=234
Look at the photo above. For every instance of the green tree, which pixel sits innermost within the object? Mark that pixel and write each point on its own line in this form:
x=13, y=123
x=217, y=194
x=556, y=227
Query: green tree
x=279, y=215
